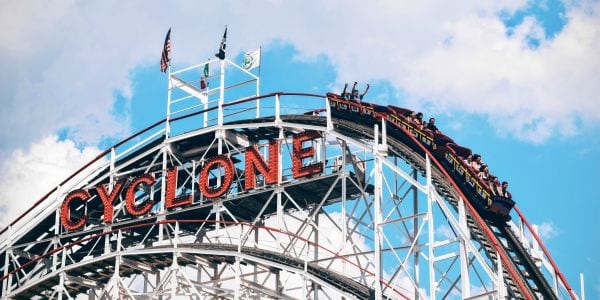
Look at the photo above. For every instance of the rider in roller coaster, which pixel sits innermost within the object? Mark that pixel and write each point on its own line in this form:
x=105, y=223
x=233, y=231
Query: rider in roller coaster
x=473, y=161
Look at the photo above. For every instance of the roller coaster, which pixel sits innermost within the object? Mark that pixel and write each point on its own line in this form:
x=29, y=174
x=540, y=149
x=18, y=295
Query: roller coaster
x=282, y=195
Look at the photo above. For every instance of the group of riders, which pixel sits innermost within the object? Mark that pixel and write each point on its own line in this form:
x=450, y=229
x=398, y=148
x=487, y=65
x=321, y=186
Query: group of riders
x=473, y=161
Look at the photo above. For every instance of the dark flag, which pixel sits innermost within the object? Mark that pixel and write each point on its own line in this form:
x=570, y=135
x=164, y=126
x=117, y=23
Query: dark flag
x=221, y=54
x=165, y=59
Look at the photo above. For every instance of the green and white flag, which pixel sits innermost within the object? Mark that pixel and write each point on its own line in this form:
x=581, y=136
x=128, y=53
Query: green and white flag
x=251, y=60
x=204, y=77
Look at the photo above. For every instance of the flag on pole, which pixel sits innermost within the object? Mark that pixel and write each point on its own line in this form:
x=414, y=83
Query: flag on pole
x=204, y=77
x=221, y=54
x=251, y=60
x=165, y=59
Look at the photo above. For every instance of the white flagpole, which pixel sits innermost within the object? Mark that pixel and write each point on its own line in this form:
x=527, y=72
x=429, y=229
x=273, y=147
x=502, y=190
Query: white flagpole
x=169, y=87
x=259, y=59
x=258, y=83
x=168, y=125
x=205, y=95
x=221, y=93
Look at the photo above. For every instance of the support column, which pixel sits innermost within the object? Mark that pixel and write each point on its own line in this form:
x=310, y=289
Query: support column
x=500, y=277
x=417, y=251
x=316, y=254
x=175, y=265
x=277, y=109
x=55, y=241
x=238, y=281
x=163, y=191
x=328, y=115
x=431, y=255
x=157, y=284
x=304, y=288
x=377, y=214
x=279, y=181
x=582, y=287
x=61, y=280
x=8, y=280
x=344, y=225
x=464, y=252
x=116, y=276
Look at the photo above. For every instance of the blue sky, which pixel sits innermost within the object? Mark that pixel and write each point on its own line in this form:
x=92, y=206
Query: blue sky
x=516, y=82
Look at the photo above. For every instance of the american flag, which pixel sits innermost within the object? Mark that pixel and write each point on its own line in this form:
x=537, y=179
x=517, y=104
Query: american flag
x=165, y=59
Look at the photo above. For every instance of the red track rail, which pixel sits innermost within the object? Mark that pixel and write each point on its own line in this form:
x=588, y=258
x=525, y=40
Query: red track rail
x=554, y=266
x=271, y=229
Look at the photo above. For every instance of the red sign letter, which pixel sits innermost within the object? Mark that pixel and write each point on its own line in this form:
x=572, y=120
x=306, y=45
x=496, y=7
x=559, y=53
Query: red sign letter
x=204, y=183
x=109, y=199
x=130, y=205
x=65, y=210
x=299, y=170
x=171, y=200
x=254, y=160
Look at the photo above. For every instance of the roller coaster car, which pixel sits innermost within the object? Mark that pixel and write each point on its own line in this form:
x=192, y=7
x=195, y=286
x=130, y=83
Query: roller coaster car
x=492, y=207
x=501, y=206
x=360, y=111
x=451, y=155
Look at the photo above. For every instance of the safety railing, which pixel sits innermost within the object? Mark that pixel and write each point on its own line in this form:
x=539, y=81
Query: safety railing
x=529, y=237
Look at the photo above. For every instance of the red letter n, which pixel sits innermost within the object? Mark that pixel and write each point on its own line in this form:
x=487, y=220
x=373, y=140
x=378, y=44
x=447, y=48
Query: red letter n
x=254, y=161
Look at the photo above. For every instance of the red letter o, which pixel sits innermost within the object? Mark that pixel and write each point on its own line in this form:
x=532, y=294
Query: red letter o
x=217, y=192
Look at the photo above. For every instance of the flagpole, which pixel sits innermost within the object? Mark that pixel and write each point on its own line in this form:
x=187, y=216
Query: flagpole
x=163, y=194
x=221, y=94
x=205, y=96
x=221, y=56
x=260, y=58
x=258, y=84
x=168, y=124
x=169, y=88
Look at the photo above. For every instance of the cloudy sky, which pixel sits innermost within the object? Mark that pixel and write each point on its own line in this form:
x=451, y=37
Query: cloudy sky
x=516, y=81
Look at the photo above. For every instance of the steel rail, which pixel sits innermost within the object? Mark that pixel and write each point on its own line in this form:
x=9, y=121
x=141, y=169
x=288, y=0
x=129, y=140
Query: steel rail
x=187, y=221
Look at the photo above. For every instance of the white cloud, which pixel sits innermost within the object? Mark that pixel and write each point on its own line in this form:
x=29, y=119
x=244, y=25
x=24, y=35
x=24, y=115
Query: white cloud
x=546, y=230
x=29, y=174
x=532, y=93
x=64, y=62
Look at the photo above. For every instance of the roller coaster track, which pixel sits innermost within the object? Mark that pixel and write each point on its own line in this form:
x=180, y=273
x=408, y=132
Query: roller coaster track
x=500, y=243
x=160, y=257
x=487, y=233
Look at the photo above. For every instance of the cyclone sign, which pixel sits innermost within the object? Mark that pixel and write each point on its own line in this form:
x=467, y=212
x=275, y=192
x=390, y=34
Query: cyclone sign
x=254, y=162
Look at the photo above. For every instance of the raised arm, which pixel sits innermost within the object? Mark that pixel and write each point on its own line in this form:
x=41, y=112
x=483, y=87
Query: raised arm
x=366, y=90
